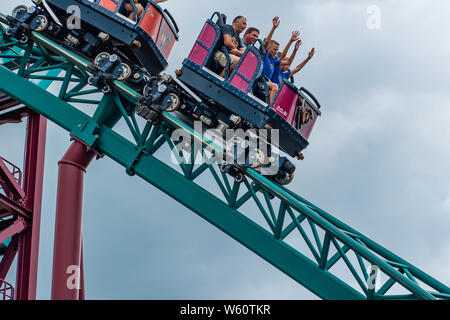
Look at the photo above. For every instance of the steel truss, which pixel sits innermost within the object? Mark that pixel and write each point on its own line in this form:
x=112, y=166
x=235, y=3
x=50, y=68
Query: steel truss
x=315, y=249
x=20, y=205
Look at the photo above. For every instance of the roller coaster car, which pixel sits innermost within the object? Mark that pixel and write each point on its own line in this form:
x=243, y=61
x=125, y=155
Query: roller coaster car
x=107, y=26
x=245, y=93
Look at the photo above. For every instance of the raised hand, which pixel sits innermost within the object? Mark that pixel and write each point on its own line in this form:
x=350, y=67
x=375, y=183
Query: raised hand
x=298, y=44
x=311, y=53
x=276, y=22
x=295, y=35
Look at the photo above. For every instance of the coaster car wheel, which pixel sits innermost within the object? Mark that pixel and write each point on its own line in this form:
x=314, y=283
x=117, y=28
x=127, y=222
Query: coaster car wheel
x=175, y=104
x=286, y=180
x=235, y=141
x=19, y=9
x=43, y=23
x=100, y=57
x=259, y=159
x=126, y=72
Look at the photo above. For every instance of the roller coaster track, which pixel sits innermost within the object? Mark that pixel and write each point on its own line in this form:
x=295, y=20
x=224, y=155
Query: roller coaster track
x=324, y=255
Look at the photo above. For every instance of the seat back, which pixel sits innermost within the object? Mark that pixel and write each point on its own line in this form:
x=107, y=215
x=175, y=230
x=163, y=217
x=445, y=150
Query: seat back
x=285, y=103
x=111, y=5
x=208, y=42
x=160, y=25
x=151, y=21
x=306, y=114
x=249, y=68
x=261, y=89
x=293, y=105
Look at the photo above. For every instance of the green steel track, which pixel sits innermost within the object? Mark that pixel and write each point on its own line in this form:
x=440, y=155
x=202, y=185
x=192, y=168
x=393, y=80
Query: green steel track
x=297, y=237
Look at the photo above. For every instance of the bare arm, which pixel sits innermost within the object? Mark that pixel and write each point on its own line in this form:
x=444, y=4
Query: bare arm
x=158, y=1
x=129, y=7
x=294, y=38
x=229, y=43
x=276, y=24
x=301, y=65
x=294, y=53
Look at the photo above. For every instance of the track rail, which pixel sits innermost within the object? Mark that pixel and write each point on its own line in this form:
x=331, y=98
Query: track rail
x=297, y=237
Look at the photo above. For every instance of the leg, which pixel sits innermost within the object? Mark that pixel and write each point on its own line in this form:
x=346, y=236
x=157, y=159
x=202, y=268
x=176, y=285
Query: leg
x=131, y=16
x=140, y=10
x=273, y=89
x=234, y=61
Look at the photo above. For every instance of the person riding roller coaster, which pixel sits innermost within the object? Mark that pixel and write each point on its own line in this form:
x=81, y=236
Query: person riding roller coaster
x=139, y=7
x=232, y=43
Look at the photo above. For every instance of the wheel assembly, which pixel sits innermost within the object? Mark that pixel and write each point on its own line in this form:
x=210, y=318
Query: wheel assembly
x=100, y=57
x=259, y=159
x=19, y=10
x=238, y=141
x=175, y=104
x=126, y=72
x=43, y=23
x=287, y=179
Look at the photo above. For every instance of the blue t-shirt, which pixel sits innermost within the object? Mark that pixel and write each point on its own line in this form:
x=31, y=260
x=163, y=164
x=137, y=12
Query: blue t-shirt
x=270, y=65
x=279, y=76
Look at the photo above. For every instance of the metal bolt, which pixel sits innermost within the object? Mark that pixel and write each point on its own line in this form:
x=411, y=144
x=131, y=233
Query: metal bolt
x=162, y=88
x=113, y=58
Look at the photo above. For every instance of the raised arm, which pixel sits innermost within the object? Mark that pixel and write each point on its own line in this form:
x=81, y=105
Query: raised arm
x=275, y=25
x=301, y=65
x=294, y=38
x=294, y=53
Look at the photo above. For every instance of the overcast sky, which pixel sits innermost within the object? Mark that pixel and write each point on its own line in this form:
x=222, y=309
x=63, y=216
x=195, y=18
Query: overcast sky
x=378, y=159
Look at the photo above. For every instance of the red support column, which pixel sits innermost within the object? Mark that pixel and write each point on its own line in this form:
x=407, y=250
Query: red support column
x=82, y=282
x=28, y=241
x=67, y=268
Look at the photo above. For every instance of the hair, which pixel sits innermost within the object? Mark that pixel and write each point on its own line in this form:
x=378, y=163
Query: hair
x=237, y=18
x=273, y=43
x=250, y=30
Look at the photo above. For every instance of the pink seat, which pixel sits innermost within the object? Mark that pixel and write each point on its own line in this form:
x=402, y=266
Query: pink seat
x=204, y=45
x=244, y=74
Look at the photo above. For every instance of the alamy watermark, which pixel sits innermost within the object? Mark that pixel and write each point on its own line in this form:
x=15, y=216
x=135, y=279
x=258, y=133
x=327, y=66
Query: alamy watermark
x=232, y=146
x=374, y=278
x=74, y=279
x=374, y=20
x=74, y=20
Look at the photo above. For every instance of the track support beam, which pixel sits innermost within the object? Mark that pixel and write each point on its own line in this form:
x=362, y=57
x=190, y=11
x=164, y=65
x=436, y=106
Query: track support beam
x=67, y=256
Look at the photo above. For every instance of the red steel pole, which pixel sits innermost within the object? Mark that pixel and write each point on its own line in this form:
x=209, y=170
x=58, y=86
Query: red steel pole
x=28, y=241
x=67, y=268
x=82, y=283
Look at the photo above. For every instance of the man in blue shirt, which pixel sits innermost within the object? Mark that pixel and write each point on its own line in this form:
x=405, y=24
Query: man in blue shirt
x=277, y=75
x=271, y=63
